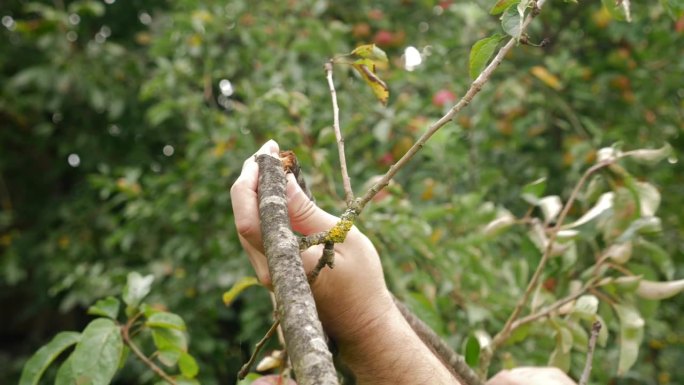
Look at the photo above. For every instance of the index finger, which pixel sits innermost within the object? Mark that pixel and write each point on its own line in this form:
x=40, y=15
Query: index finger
x=243, y=195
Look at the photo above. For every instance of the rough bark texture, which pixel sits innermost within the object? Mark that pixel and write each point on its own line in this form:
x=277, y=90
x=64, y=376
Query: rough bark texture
x=311, y=359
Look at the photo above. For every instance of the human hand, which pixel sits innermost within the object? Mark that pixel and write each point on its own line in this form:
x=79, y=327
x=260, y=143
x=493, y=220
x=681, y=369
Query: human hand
x=349, y=297
x=531, y=376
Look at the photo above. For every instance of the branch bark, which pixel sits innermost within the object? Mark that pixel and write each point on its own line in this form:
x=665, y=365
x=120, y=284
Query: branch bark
x=311, y=359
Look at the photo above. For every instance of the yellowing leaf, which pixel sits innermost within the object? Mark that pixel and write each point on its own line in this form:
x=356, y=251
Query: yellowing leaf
x=547, y=77
x=238, y=287
x=378, y=86
x=371, y=52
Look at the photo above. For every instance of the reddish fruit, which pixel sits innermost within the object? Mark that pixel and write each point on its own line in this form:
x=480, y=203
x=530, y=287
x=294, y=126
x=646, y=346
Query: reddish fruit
x=383, y=38
x=443, y=98
x=375, y=14
x=361, y=30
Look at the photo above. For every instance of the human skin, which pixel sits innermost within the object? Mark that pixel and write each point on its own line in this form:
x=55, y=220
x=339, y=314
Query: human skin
x=353, y=302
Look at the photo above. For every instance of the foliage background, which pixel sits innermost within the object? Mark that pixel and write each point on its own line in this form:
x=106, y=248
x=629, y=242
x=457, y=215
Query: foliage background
x=118, y=82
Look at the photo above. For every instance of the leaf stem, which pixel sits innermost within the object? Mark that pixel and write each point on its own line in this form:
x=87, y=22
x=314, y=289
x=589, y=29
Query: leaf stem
x=134, y=348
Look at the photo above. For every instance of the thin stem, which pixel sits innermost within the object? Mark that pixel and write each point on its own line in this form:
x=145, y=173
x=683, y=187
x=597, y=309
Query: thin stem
x=554, y=306
x=346, y=182
x=134, y=348
x=595, y=329
x=474, y=88
x=245, y=368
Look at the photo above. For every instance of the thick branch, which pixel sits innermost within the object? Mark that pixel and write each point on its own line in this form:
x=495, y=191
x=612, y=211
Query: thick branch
x=306, y=344
x=455, y=362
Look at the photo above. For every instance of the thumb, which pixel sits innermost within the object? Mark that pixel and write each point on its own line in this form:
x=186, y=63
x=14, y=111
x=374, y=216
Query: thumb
x=305, y=216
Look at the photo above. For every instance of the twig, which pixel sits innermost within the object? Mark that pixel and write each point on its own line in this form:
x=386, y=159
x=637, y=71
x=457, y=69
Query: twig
x=346, y=182
x=595, y=329
x=327, y=259
x=554, y=306
x=474, y=88
x=134, y=348
x=505, y=332
x=303, y=332
x=257, y=348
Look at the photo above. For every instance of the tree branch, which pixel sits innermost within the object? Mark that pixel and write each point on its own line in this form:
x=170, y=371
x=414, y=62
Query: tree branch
x=505, y=332
x=303, y=332
x=346, y=182
x=595, y=329
x=455, y=362
x=474, y=88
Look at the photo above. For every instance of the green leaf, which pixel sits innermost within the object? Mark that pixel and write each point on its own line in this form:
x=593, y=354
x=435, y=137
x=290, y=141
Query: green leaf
x=169, y=357
x=238, y=287
x=586, y=306
x=472, y=351
x=96, y=357
x=550, y=206
x=604, y=204
x=619, y=252
x=532, y=191
x=166, y=320
x=511, y=21
x=169, y=339
x=649, y=198
x=659, y=290
x=481, y=52
x=580, y=338
x=560, y=359
x=651, y=156
x=501, y=6
x=631, y=334
x=614, y=9
x=107, y=307
x=40, y=360
x=65, y=374
x=649, y=225
x=188, y=365
x=137, y=287
x=659, y=256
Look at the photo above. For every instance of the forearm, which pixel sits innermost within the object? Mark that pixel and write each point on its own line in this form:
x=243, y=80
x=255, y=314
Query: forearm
x=387, y=351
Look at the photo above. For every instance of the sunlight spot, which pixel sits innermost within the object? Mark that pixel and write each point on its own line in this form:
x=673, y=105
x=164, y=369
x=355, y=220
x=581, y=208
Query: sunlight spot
x=8, y=22
x=168, y=150
x=74, y=19
x=412, y=58
x=145, y=18
x=74, y=160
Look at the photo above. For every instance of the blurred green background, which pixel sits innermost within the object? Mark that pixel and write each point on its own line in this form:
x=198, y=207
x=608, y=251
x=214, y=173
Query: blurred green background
x=124, y=123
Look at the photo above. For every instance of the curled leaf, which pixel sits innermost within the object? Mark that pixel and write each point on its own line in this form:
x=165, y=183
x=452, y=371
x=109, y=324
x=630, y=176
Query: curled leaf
x=659, y=290
x=371, y=52
x=367, y=72
x=238, y=287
